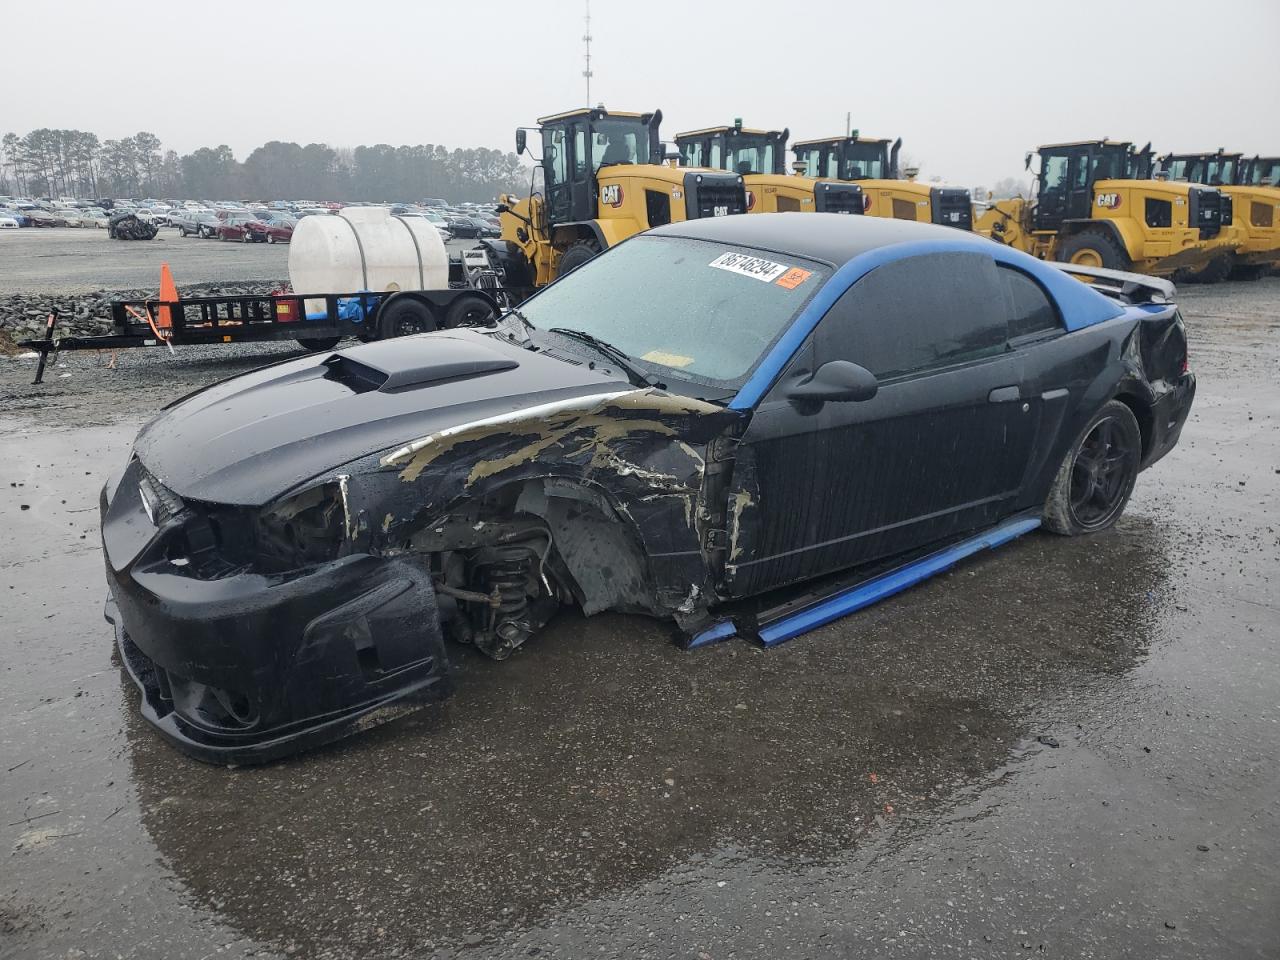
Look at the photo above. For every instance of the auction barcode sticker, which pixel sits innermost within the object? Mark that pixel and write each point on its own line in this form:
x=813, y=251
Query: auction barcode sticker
x=757, y=268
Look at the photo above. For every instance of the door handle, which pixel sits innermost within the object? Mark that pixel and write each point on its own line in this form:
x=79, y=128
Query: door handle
x=1004, y=394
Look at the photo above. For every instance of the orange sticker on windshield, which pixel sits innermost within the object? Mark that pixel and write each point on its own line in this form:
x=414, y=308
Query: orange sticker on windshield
x=793, y=278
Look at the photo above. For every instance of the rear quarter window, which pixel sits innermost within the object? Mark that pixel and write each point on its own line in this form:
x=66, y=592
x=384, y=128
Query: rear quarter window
x=1031, y=311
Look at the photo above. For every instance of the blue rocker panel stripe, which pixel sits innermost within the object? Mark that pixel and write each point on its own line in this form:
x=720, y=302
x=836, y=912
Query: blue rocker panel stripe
x=895, y=581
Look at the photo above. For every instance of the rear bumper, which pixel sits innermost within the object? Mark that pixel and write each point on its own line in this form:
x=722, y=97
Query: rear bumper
x=1169, y=414
x=247, y=668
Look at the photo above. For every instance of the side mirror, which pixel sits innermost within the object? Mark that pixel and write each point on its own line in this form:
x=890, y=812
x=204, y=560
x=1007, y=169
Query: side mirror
x=1026, y=162
x=521, y=141
x=835, y=380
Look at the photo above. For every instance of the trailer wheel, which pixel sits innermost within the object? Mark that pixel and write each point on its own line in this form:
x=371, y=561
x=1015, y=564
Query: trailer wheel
x=403, y=317
x=318, y=344
x=468, y=310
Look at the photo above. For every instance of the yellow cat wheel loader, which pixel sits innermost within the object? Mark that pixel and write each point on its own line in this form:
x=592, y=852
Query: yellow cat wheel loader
x=760, y=157
x=601, y=178
x=873, y=165
x=1094, y=204
x=1250, y=230
x=1252, y=213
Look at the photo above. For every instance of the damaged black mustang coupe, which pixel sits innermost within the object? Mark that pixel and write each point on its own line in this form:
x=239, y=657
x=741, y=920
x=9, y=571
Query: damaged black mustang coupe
x=696, y=419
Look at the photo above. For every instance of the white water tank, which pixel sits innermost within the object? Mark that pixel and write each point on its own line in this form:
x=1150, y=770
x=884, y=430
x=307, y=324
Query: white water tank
x=365, y=248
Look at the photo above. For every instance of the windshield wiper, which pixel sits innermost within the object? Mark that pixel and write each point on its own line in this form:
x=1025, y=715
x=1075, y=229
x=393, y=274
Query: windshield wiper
x=637, y=376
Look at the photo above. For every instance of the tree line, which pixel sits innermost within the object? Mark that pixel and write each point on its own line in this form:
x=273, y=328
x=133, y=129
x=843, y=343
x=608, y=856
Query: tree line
x=74, y=163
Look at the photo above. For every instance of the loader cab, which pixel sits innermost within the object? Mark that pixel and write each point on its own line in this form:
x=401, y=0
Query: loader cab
x=1068, y=171
x=577, y=144
x=735, y=149
x=1260, y=172
x=1216, y=169
x=849, y=158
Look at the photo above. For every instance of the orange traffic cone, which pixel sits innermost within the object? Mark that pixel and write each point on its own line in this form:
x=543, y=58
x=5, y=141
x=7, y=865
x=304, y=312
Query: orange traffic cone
x=168, y=294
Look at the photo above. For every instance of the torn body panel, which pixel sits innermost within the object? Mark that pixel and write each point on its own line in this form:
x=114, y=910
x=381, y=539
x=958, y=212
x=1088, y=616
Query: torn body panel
x=476, y=531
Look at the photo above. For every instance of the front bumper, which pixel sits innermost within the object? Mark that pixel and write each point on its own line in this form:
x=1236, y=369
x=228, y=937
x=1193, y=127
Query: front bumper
x=249, y=667
x=1169, y=414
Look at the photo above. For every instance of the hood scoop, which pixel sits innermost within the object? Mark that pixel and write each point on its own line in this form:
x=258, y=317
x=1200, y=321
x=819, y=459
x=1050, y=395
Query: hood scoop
x=390, y=366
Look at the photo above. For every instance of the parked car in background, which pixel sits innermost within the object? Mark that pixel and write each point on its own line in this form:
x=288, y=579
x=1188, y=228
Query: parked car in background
x=7, y=222
x=463, y=226
x=245, y=229
x=18, y=216
x=485, y=228
x=199, y=223
x=94, y=217
x=280, y=229
x=40, y=217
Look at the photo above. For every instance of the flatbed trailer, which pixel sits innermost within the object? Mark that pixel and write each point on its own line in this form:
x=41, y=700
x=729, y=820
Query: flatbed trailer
x=316, y=321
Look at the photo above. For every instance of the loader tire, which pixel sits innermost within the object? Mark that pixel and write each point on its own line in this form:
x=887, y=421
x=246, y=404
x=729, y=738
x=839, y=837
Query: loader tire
x=1093, y=248
x=1097, y=475
x=577, y=254
x=1213, y=272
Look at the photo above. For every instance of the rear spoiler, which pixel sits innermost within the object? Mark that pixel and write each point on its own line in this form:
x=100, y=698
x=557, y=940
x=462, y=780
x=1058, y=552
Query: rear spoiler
x=1127, y=287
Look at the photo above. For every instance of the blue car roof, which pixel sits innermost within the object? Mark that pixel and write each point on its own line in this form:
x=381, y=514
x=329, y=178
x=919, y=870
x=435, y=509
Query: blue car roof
x=856, y=245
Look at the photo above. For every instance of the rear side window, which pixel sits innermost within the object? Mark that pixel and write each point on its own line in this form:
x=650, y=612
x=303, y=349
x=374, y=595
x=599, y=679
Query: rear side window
x=915, y=314
x=1031, y=312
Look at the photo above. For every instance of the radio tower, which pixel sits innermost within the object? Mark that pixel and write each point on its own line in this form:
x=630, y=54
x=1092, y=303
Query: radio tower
x=586, y=39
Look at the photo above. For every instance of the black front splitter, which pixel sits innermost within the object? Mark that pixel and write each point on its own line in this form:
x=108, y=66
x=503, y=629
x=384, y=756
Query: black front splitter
x=306, y=735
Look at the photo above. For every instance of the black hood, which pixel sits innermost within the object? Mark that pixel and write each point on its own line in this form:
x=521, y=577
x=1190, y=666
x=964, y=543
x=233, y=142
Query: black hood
x=249, y=439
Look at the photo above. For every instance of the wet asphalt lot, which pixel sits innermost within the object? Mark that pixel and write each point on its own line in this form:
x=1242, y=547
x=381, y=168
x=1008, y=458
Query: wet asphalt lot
x=1067, y=748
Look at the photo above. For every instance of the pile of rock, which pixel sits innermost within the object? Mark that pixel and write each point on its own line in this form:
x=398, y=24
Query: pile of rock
x=23, y=315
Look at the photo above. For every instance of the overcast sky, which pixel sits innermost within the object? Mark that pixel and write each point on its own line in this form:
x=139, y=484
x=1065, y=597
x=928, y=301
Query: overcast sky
x=968, y=86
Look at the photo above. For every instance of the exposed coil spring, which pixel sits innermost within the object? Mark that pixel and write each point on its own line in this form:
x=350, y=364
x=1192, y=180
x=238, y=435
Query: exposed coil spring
x=506, y=570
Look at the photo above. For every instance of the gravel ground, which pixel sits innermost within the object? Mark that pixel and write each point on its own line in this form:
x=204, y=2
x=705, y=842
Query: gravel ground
x=1064, y=748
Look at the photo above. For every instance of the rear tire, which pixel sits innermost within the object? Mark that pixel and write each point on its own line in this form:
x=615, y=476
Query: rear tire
x=577, y=254
x=1097, y=475
x=468, y=310
x=1093, y=248
x=404, y=317
x=318, y=344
